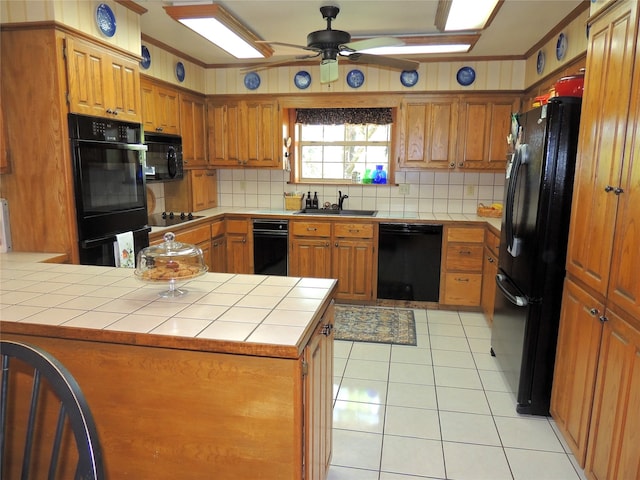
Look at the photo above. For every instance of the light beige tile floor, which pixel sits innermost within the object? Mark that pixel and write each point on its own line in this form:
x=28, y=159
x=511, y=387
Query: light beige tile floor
x=439, y=410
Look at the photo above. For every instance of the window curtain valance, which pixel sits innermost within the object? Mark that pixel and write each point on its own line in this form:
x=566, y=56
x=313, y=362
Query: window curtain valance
x=340, y=116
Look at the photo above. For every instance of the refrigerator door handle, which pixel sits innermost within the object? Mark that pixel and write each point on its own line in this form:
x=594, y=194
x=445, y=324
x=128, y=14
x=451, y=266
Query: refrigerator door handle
x=518, y=300
x=514, y=243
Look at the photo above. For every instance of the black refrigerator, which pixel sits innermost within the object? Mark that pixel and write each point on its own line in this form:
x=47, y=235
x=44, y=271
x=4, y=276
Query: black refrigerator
x=533, y=247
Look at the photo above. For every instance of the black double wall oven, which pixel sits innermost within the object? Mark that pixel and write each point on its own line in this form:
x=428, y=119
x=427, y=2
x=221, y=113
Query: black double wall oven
x=110, y=190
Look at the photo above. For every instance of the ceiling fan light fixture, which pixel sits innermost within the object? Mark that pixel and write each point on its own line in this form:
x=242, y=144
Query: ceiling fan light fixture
x=457, y=15
x=214, y=23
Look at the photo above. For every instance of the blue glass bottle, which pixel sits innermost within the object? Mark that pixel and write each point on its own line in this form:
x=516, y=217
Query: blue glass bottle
x=379, y=176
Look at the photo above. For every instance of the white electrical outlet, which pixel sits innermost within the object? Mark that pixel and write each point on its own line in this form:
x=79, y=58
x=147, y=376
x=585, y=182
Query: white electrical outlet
x=404, y=188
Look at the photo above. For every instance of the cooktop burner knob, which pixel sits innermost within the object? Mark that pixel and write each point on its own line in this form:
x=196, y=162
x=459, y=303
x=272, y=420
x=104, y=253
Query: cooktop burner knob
x=182, y=215
x=190, y=216
x=170, y=214
x=164, y=214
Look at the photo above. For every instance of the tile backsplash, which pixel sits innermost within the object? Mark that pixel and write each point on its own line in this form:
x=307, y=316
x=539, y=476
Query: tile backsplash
x=414, y=192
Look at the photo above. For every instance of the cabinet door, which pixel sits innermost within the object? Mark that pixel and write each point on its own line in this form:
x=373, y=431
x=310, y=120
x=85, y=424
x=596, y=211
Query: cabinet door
x=200, y=190
x=624, y=282
x=124, y=83
x=353, y=267
x=223, y=130
x=484, y=125
x=86, y=73
x=167, y=111
x=218, y=254
x=148, y=106
x=318, y=395
x=489, y=272
x=610, y=56
x=238, y=251
x=429, y=136
x=574, y=377
x=260, y=130
x=194, y=132
x=615, y=422
x=310, y=257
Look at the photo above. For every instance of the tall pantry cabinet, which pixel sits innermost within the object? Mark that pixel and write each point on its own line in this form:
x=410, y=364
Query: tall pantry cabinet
x=596, y=392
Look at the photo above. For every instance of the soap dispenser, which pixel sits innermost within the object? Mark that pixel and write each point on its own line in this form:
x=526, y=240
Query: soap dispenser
x=315, y=200
x=308, y=201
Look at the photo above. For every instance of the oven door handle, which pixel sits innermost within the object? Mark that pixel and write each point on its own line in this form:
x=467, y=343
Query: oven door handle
x=94, y=242
x=120, y=146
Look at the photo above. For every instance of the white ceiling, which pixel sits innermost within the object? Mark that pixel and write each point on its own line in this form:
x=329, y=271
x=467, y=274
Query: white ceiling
x=518, y=26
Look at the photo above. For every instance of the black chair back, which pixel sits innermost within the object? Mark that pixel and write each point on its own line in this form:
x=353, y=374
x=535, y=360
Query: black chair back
x=25, y=440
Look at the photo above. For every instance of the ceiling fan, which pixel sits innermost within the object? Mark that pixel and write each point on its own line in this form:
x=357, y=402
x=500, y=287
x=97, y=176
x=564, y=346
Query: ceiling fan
x=331, y=44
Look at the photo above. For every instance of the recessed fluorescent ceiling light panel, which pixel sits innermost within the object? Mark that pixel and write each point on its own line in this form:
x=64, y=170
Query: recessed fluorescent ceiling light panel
x=219, y=27
x=417, y=49
x=469, y=15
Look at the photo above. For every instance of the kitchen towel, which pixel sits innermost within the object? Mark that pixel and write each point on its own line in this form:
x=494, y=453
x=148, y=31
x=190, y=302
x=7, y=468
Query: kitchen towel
x=123, y=250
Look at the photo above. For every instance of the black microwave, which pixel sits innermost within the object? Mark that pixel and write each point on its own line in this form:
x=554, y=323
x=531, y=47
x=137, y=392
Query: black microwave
x=164, y=157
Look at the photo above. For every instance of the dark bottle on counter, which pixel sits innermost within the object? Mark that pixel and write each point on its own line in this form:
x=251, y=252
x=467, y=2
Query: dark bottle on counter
x=308, y=201
x=315, y=200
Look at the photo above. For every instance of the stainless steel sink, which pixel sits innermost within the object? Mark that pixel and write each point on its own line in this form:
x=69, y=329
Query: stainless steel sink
x=344, y=213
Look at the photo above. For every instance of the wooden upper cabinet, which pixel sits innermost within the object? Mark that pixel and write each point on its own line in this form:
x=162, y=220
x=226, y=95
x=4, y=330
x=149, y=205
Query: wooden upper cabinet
x=244, y=133
x=484, y=125
x=428, y=132
x=193, y=118
x=261, y=134
x=102, y=83
x=600, y=189
x=160, y=108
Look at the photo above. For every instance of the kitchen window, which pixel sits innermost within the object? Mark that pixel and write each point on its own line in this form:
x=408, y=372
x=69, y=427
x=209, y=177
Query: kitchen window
x=334, y=145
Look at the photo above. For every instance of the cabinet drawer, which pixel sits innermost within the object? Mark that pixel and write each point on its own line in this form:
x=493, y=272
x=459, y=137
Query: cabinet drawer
x=463, y=289
x=195, y=235
x=465, y=234
x=237, y=226
x=467, y=257
x=353, y=230
x=311, y=229
x=217, y=228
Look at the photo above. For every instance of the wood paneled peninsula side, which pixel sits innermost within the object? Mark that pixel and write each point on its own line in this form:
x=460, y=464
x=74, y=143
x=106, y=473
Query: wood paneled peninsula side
x=232, y=380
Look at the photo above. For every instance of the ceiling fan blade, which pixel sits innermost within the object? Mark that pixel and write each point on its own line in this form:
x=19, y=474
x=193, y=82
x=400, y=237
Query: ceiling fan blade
x=370, y=43
x=263, y=66
x=391, y=62
x=290, y=45
x=329, y=71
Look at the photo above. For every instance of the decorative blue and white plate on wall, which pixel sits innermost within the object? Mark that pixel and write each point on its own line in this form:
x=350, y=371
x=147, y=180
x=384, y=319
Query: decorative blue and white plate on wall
x=409, y=78
x=146, y=58
x=561, y=46
x=355, y=78
x=180, y=72
x=106, y=20
x=302, y=79
x=540, y=62
x=252, y=80
x=466, y=76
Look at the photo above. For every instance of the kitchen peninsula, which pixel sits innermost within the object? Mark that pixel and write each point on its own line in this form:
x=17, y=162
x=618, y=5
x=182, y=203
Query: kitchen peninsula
x=231, y=380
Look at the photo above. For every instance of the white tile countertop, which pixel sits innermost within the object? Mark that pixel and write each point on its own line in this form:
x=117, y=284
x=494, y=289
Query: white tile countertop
x=223, y=312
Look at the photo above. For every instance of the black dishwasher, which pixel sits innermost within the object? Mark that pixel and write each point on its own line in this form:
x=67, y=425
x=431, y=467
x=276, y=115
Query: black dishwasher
x=409, y=261
x=270, y=247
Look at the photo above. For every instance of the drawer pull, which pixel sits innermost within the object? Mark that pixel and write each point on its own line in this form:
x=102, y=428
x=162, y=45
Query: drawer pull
x=311, y=229
x=459, y=279
x=465, y=252
x=354, y=231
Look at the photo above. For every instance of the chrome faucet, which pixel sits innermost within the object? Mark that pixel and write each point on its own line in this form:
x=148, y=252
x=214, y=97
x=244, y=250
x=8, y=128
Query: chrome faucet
x=341, y=199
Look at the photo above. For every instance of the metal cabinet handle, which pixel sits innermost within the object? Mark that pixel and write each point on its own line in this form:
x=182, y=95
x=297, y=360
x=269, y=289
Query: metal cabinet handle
x=461, y=164
x=244, y=239
x=618, y=191
x=159, y=129
x=465, y=252
x=336, y=244
x=326, y=244
x=354, y=231
x=311, y=229
x=593, y=312
x=459, y=279
x=326, y=329
x=452, y=165
x=608, y=188
x=490, y=260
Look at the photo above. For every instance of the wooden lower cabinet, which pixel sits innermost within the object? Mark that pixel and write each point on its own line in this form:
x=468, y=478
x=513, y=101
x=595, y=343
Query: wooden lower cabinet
x=165, y=412
x=489, y=272
x=239, y=245
x=318, y=394
x=613, y=450
x=576, y=362
x=335, y=250
x=200, y=236
x=596, y=388
x=461, y=283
